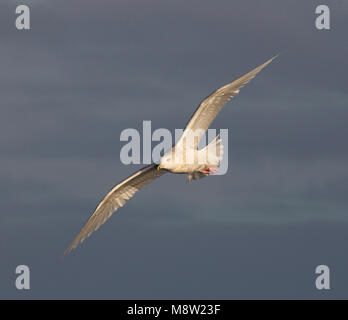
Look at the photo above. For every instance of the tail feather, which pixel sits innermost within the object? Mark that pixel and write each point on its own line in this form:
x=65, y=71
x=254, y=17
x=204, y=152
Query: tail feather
x=213, y=152
x=211, y=156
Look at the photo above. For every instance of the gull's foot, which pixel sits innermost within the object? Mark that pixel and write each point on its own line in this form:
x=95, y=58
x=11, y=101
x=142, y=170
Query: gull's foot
x=209, y=170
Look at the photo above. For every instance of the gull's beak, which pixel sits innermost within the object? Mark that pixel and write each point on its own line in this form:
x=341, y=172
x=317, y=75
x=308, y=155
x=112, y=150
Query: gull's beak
x=159, y=167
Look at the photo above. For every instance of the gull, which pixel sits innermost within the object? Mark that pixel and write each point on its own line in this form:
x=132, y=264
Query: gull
x=183, y=158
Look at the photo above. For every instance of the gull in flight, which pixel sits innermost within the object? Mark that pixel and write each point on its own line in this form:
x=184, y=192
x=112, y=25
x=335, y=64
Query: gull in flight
x=202, y=161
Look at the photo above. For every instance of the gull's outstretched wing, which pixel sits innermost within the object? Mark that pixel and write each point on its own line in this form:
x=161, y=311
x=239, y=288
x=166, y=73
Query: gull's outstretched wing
x=211, y=106
x=115, y=199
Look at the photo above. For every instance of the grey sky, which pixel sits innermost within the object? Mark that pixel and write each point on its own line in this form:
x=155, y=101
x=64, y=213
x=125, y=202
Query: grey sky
x=87, y=70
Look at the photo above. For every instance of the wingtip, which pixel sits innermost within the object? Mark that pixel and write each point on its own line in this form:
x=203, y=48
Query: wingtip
x=274, y=57
x=277, y=55
x=68, y=250
x=268, y=62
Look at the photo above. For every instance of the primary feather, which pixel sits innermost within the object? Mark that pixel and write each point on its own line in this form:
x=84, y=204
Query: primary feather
x=115, y=199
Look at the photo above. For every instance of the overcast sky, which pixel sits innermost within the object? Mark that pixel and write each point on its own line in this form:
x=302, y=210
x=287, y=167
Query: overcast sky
x=89, y=69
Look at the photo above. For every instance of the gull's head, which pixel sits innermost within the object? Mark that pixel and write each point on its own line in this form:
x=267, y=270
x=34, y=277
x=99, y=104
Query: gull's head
x=167, y=162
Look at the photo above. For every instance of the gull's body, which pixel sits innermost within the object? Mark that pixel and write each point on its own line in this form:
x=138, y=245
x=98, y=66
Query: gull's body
x=201, y=162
